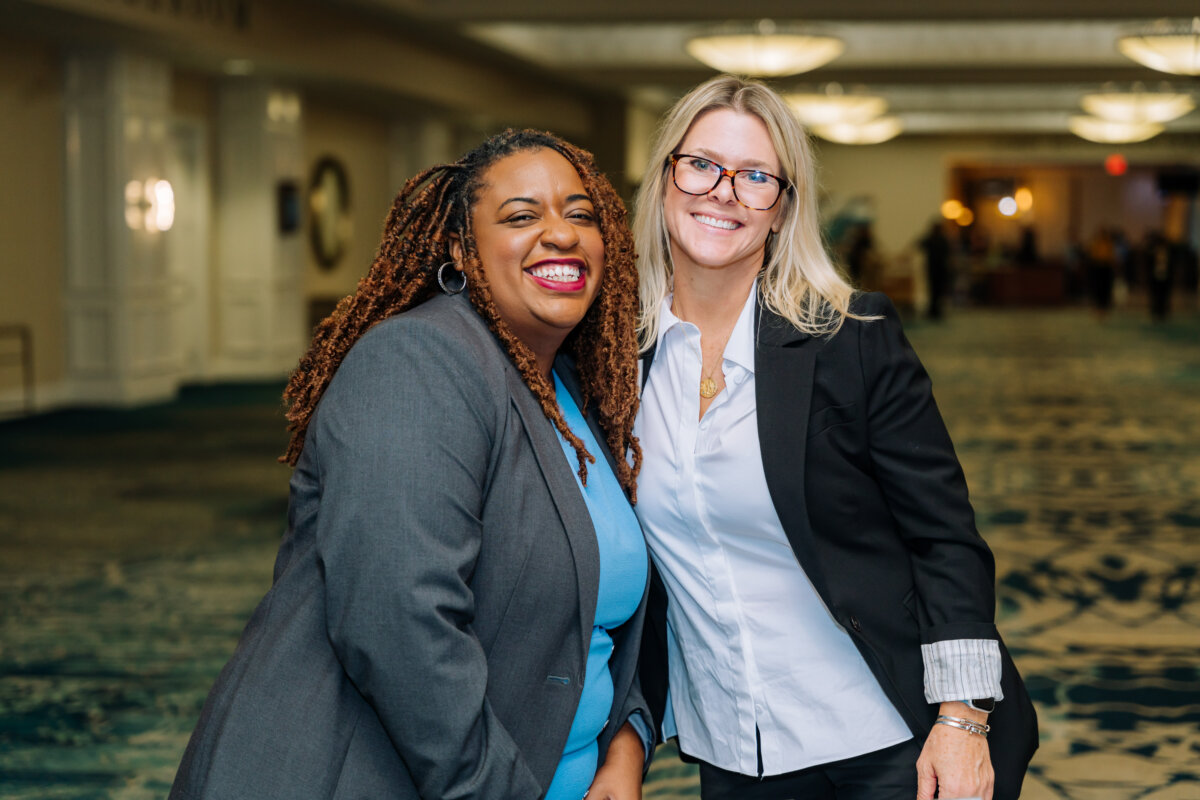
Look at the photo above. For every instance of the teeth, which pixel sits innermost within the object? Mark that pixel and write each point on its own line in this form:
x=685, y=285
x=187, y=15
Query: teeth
x=566, y=273
x=726, y=224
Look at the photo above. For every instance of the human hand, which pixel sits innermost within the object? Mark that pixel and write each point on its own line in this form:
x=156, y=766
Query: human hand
x=953, y=762
x=620, y=776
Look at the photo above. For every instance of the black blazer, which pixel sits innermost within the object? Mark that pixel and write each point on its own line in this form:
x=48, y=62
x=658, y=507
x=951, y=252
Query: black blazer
x=865, y=481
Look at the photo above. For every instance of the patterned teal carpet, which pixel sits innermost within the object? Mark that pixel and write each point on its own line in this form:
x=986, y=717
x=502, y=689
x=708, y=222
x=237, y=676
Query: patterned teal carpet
x=133, y=546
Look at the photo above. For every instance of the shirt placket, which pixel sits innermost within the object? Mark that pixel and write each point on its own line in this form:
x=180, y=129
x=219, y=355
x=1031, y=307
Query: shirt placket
x=699, y=442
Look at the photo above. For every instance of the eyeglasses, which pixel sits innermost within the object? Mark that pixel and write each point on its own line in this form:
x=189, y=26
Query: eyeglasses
x=753, y=188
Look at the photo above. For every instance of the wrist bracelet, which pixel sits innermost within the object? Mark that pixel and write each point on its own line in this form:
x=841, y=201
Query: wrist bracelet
x=970, y=722
x=970, y=726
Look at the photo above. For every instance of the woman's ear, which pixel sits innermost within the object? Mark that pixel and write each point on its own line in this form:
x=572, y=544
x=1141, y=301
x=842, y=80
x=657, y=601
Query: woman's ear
x=456, y=251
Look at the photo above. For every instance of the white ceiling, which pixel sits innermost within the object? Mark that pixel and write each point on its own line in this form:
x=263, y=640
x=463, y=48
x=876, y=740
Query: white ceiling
x=944, y=67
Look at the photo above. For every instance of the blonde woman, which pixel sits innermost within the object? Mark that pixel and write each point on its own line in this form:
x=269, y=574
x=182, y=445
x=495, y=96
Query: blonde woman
x=821, y=622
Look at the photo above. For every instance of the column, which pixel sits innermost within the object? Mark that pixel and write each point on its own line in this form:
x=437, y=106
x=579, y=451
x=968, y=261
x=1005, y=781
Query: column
x=119, y=208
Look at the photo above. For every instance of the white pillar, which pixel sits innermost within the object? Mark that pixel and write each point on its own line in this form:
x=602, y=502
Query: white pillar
x=117, y=297
x=259, y=315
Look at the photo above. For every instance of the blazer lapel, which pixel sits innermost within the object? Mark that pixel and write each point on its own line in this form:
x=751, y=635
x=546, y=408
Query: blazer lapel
x=784, y=359
x=572, y=509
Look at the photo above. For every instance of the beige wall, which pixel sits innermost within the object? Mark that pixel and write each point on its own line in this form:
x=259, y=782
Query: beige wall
x=908, y=178
x=360, y=142
x=31, y=208
x=904, y=180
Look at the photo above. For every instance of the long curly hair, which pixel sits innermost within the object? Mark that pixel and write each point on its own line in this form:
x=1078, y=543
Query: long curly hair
x=431, y=210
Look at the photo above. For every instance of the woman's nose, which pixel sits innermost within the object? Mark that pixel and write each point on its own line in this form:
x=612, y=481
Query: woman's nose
x=723, y=191
x=560, y=233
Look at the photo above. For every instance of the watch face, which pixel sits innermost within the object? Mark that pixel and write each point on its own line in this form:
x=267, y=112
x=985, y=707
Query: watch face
x=987, y=704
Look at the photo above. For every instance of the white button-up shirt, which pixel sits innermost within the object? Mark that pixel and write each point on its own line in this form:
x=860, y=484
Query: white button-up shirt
x=750, y=643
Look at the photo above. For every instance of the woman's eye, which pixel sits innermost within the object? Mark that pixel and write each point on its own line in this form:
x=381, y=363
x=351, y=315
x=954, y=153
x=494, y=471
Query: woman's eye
x=754, y=176
x=586, y=216
x=523, y=216
x=700, y=165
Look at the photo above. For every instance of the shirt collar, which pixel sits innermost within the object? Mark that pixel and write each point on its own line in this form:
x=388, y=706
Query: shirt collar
x=740, y=347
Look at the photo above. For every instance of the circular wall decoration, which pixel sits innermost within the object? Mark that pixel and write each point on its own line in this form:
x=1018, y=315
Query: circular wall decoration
x=328, y=211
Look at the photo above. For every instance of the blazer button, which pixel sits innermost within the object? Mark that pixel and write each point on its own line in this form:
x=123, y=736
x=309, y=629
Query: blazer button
x=854, y=623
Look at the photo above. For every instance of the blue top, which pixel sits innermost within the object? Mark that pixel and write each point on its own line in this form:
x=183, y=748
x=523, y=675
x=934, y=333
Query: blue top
x=623, y=565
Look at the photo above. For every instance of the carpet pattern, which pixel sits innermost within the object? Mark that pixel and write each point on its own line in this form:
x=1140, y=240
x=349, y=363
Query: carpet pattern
x=133, y=546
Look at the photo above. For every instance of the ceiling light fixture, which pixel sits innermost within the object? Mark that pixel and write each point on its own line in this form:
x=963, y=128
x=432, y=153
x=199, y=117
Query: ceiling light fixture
x=873, y=131
x=1167, y=45
x=833, y=106
x=764, y=49
x=1137, y=105
x=1106, y=131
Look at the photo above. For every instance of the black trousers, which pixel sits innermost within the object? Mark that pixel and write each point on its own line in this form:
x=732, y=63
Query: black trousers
x=888, y=774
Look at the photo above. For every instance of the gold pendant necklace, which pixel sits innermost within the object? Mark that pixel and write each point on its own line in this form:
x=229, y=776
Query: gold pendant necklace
x=708, y=387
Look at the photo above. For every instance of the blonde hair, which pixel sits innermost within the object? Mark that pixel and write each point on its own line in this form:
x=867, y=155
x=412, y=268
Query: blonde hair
x=798, y=281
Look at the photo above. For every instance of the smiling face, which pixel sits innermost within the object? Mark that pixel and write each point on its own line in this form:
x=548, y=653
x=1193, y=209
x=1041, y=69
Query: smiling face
x=539, y=242
x=715, y=231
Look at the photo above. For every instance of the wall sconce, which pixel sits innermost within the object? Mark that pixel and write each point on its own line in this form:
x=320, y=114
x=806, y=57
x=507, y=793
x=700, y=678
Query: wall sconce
x=149, y=205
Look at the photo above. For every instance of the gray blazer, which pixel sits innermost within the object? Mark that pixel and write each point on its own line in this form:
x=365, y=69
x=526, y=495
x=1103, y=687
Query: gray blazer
x=426, y=634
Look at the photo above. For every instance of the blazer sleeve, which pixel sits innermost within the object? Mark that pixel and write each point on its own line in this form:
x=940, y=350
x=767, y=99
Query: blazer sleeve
x=403, y=439
x=923, y=484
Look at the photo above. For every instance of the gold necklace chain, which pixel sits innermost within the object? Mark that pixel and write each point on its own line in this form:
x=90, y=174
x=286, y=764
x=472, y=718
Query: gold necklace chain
x=708, y=386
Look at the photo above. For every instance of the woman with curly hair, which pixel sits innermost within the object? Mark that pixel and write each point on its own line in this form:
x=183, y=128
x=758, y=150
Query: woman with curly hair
x=458, y=600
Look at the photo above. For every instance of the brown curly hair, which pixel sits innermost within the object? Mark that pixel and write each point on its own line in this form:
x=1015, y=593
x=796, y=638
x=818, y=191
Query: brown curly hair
x=434, y=207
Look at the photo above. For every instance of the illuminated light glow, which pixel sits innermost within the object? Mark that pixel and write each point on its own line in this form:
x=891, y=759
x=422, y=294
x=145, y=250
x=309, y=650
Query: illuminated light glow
x=832, y=106
x=283, y=107
x=872, y=132
x=951, y=209
x=1007, y=206
x=163, y=205
x=763, y=49
x=149, y=205
x=965, y=218
x=1167, y=45
x=1137, y=106
x=1115, y=164
x=1107, y=132
x=1024, y=198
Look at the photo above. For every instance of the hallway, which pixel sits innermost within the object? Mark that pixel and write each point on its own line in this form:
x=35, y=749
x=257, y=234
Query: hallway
x=133, y=546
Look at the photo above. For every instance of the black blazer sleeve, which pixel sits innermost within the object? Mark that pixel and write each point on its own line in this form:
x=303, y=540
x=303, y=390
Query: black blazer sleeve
x=403, y=438
x=923, y=484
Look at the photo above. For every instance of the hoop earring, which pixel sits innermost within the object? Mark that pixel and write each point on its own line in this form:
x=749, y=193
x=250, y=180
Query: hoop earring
x=442, y=283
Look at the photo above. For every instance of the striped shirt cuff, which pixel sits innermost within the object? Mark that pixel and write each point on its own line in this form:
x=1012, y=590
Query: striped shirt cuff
x=962, y=669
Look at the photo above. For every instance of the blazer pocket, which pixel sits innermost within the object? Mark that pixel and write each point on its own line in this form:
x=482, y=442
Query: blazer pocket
x=823, y=419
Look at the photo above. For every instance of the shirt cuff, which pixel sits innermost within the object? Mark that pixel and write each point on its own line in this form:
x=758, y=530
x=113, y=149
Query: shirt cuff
x=962, y=669
x=642, y=728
